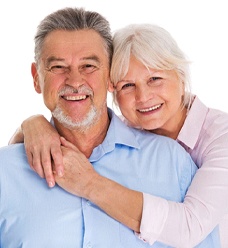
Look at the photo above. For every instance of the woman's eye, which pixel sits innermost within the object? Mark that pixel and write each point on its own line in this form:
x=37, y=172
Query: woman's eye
x=127, y=86
x=154, y=78
x=155, y=81
x=124, y=87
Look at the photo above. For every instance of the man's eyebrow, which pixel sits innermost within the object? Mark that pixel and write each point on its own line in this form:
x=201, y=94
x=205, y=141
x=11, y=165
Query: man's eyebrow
x=51, y=59
x=93, y=57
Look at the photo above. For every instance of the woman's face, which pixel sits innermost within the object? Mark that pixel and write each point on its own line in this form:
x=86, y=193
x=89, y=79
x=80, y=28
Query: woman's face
x=151, y=99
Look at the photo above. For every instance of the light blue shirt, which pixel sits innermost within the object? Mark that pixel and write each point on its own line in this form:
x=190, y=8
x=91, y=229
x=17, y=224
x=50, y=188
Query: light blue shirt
x=35, y=216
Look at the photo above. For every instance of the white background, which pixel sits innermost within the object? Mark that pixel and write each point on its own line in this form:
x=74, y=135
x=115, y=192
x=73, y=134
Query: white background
x=199, y=26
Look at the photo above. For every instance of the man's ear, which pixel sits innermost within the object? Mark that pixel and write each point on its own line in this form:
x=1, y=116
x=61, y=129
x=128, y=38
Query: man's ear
x=35, y=78
x=110, y=86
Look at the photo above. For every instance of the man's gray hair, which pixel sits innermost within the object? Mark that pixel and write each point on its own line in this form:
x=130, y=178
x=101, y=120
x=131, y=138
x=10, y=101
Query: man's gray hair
x=71, y=19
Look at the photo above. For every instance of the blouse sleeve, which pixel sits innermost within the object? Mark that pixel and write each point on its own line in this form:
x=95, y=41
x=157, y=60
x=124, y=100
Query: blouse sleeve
x=205, y=204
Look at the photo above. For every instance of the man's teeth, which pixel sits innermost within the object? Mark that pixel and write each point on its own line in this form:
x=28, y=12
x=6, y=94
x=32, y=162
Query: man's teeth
x=150, y=109
x=74, y=98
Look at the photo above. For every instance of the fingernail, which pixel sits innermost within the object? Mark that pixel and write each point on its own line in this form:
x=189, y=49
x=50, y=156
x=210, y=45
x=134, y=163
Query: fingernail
x=50, y=184
x=60, y=173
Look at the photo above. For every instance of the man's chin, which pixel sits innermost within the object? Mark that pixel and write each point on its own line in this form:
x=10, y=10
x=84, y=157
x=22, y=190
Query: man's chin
x=78, y=123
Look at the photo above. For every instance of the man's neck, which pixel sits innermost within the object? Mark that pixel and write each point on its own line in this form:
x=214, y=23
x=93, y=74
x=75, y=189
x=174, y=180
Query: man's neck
x=86, y=140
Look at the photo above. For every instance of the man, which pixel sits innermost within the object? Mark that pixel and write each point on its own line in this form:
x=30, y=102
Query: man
x=73, y=51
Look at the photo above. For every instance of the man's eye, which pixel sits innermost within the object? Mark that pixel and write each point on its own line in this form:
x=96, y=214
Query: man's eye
x=88, y=68
x=58, y=69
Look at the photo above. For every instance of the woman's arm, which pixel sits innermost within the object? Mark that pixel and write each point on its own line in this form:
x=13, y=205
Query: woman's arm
x=17, y=137
x=205, y=204
x=176, y=224
x=43, y=142
x=82, y=180
x=42, y=145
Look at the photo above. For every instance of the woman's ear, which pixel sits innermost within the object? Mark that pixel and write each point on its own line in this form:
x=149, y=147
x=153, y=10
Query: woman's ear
x=183, y=87
x=110, y=86
x=35, y=78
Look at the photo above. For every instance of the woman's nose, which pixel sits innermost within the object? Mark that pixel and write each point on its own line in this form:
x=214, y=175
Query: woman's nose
x=143, y=93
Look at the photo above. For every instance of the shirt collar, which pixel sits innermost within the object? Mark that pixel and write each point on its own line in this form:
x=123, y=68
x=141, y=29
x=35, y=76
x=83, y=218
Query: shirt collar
x=193, y=124
x=118, y=134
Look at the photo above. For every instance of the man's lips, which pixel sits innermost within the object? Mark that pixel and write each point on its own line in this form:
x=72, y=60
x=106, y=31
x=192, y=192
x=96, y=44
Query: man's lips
x=145, y=110
x=75, y=98
x=72, y=94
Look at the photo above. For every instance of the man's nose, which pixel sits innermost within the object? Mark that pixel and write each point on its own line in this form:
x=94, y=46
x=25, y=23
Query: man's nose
x=75, y=78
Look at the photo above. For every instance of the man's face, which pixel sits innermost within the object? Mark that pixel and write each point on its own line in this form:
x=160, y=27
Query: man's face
x=73, y=76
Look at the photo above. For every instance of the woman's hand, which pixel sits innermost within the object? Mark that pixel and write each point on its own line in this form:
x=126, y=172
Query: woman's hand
x=81, y=179
x=17, y=137
x=42, y=145
x=79, y=174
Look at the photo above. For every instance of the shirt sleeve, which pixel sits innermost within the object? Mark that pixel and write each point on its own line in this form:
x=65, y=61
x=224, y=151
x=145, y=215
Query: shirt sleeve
x=153, y=207
x=205, y=204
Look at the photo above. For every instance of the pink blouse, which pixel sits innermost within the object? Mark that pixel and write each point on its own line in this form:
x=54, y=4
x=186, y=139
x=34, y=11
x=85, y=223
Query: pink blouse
x=204, y=135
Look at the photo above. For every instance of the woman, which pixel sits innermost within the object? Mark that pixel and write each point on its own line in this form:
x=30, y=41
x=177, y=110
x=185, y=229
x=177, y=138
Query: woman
x=151, y=80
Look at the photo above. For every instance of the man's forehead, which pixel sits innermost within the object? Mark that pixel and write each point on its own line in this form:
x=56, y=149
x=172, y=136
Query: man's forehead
x=86, y=37
x=83, y=44
x=80, y=39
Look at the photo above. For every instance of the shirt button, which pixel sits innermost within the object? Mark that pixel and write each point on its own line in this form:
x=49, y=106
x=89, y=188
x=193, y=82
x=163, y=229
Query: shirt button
x=88, y=203
x=89, y=245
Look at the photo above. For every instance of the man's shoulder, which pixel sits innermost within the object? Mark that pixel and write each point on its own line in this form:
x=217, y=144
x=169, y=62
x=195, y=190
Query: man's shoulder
x=161, y=146
x=151, y=138
x=12, y=154
x=12, y=149
x=148, y=142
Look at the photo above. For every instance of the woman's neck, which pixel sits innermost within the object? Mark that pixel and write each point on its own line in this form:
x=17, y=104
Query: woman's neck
x=172, y=130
